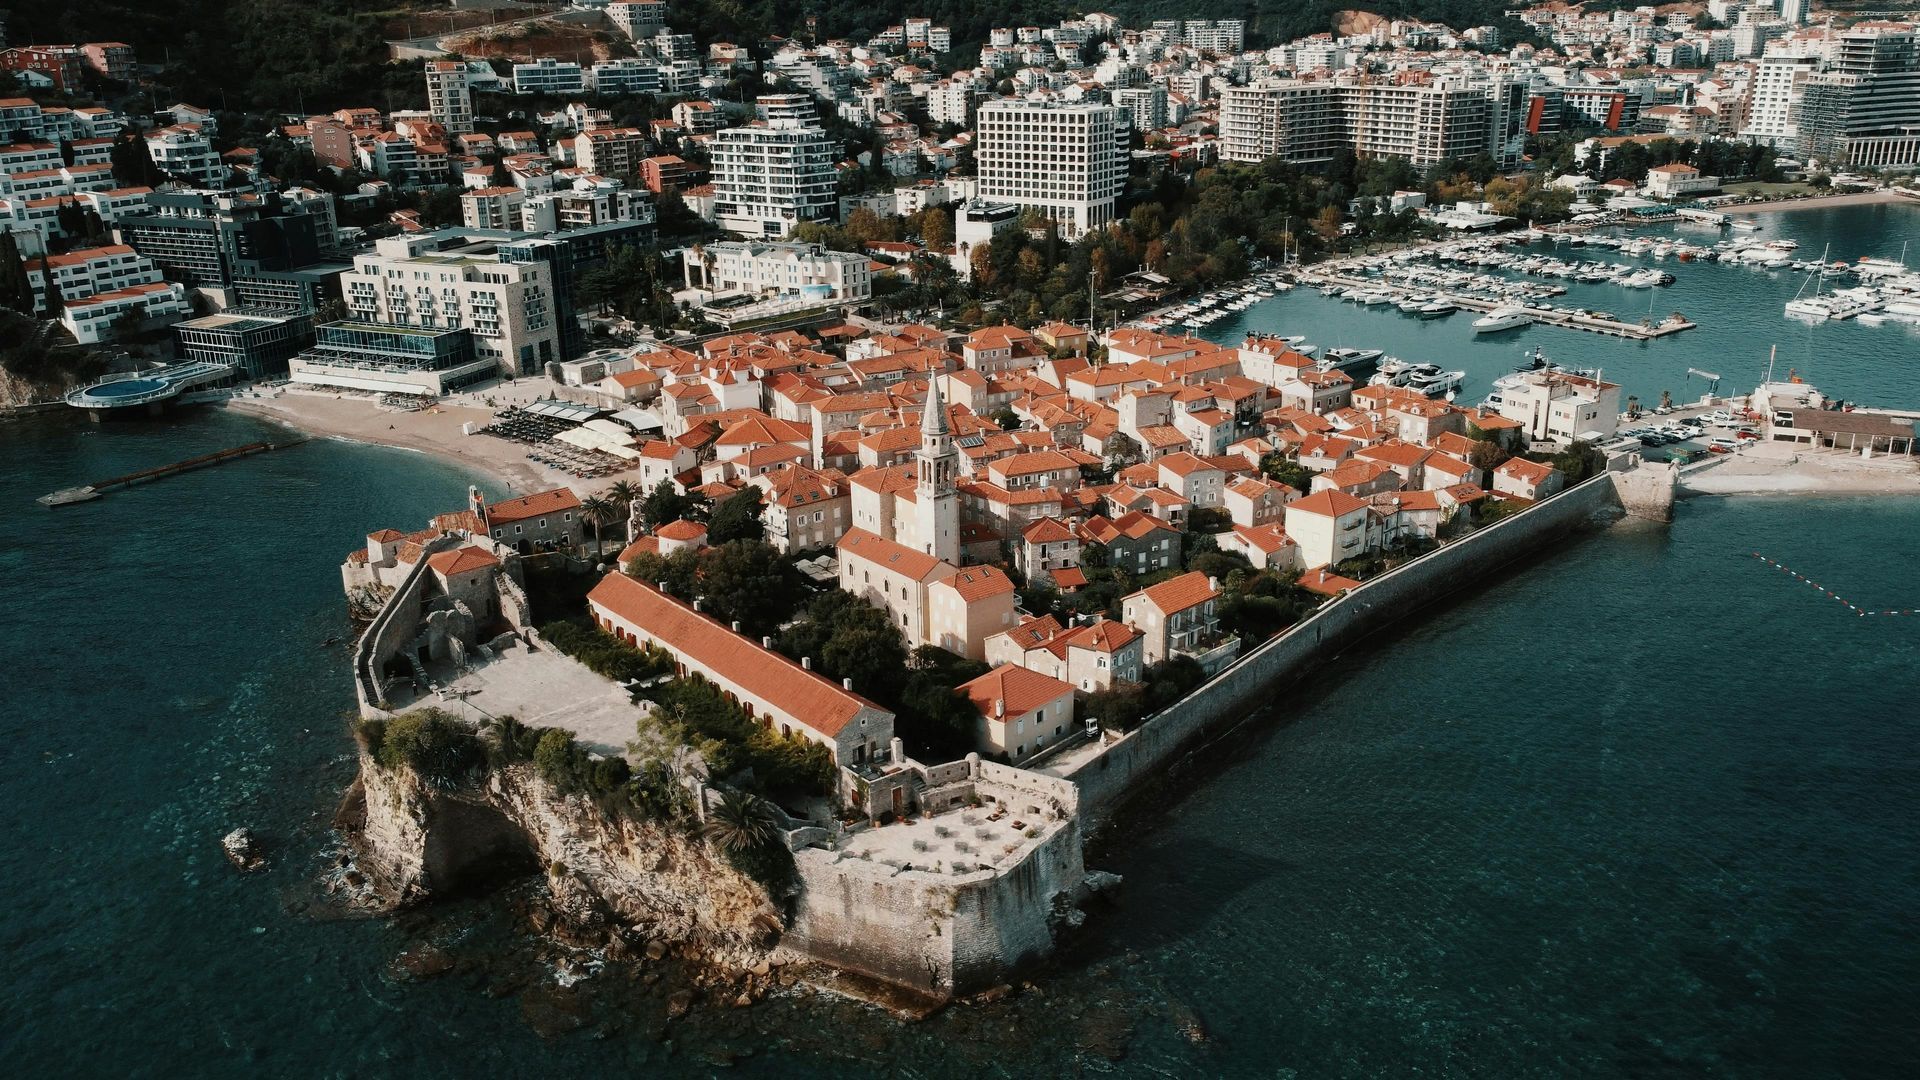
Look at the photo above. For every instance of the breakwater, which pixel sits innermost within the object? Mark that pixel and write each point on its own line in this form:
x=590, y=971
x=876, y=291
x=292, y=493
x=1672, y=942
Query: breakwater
x=1129, y=762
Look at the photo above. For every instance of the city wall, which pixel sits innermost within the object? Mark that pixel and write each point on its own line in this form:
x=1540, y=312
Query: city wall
x=1251, y=682
x=936, y=935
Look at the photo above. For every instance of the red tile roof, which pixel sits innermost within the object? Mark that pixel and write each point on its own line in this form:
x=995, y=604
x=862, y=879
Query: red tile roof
x=1012, y=691
x=979, y=583
x=461, y=561
x=886, y=554
x=1329, y=503
x=531, y=506
x=1178, y=594
x=809, y=698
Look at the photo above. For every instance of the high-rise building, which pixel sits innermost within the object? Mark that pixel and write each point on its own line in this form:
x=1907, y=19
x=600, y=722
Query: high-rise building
x=772, y=175
x=1864, y=109
x=1773, y=100
x=1067, y=161
x=450, y=96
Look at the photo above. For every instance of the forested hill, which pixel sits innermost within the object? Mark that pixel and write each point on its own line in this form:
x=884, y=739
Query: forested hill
x=327, y=53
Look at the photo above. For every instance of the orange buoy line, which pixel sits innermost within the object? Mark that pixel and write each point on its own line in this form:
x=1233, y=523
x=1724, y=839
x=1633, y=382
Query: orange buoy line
x=1855, y=608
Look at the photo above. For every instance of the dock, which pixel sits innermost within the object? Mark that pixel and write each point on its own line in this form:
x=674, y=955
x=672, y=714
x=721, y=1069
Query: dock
x=89, y=492
x=1611, y=327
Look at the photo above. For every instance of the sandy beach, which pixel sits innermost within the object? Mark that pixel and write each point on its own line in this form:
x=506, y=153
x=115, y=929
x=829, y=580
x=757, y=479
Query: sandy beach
x=1783, y=469
x=433, y=431
x=1821, y=202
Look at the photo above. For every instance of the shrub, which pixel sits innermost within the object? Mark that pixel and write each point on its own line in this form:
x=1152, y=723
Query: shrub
x=438, y=747
x=604, y=654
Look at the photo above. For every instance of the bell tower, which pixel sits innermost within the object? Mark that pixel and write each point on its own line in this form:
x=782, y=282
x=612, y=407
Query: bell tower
x=936, y=503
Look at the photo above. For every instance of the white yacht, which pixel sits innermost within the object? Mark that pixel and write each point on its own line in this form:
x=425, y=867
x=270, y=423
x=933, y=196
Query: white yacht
x=1502, y=318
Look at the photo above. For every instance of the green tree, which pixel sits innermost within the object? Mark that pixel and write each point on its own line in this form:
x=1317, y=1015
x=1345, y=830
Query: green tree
x=750, y=582
x=738, y=517
x=599, y=512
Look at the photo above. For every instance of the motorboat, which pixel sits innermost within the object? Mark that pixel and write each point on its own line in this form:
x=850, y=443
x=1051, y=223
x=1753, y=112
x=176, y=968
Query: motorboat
x=1502, y=318
x=1345, y=358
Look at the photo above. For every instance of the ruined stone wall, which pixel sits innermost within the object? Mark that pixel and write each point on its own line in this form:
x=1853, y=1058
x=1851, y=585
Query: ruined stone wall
x=1256, y=679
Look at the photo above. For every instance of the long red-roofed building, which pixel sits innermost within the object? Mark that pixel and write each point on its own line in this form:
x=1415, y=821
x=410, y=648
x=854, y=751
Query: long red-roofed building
x=789, y=698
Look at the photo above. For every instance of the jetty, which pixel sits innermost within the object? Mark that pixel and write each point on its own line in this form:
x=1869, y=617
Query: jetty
x=1541, y=316
x=89, y=492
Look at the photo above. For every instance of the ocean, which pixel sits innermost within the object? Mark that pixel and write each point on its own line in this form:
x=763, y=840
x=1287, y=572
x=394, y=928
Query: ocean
x=1643, y=806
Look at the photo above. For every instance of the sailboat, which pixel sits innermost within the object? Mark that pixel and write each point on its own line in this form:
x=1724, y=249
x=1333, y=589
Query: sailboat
x=1811, y=307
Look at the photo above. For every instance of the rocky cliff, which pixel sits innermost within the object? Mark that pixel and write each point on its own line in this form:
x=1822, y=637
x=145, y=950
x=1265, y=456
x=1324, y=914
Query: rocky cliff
x=610, y=876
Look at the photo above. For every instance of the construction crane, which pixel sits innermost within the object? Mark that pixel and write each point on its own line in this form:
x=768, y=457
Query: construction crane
x=1713, y=381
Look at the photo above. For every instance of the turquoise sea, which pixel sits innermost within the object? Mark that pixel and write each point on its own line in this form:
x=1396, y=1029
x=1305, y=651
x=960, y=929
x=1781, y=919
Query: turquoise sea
x=1643, y=807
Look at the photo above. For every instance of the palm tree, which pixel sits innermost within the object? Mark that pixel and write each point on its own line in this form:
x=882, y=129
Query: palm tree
x=598, y=511
x=743, y=823
x=623, y=494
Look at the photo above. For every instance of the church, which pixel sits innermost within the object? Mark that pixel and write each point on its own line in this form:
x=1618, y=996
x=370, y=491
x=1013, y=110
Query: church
x=903, y=554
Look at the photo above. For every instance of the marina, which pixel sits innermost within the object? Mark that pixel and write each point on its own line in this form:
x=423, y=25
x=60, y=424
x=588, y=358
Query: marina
x=1735, y=309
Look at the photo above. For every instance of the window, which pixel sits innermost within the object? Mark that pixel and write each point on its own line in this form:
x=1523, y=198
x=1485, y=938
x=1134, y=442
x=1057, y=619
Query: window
x=516, y=530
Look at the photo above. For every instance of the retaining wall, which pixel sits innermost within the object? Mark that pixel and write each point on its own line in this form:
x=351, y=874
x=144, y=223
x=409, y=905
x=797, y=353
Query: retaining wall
x=1106, y=781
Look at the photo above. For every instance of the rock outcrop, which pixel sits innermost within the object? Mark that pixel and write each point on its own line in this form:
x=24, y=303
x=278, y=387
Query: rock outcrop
x=605, y=872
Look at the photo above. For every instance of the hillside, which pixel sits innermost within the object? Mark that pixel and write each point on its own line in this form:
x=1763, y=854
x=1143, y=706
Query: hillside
x=324, y=54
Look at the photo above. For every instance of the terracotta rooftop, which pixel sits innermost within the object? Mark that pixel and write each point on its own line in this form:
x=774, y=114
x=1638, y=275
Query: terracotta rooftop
x=812, y=699
x=531, y=506
x=461, y=560
x=1011, y=691
x=1180, y=593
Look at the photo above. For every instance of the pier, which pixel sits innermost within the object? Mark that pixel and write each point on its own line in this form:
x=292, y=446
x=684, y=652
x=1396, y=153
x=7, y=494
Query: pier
x=89, y=492
x=1542, y=317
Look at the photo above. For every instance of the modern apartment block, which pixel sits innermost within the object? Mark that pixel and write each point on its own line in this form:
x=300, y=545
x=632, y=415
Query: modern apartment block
x=772, y=175
x=1067, y=161
x=1311, y=121
x=450, y=95
x=549, y=76
x=800, y=271
x=448, y=280
x=638, y=19
x=611, y=151
x=216, y=240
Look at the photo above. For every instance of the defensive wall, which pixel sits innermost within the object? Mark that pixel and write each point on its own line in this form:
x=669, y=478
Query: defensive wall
x=1127, y=761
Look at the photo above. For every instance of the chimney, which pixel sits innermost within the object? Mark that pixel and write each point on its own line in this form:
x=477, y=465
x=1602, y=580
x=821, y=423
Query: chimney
x=662, y=586
x=766, y=643
x=1213, y=583
x=896, y=750
x=736, y=626
x=806, y=662
x=999, y=708
x=696, y=603
x=846, y=684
